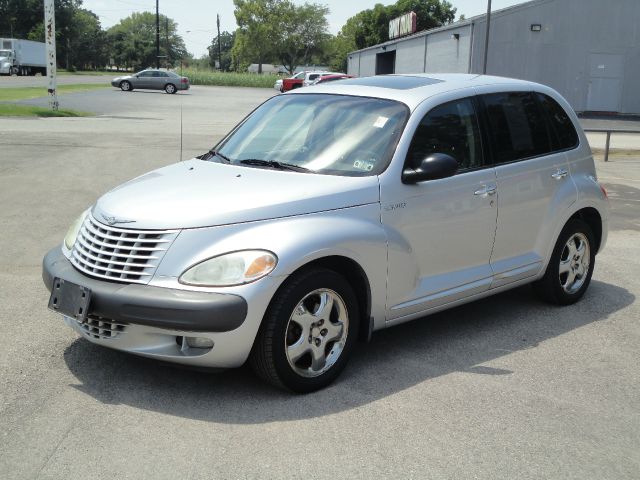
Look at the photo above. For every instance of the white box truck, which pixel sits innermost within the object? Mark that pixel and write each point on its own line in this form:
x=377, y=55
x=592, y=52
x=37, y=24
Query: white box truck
x=22, y=57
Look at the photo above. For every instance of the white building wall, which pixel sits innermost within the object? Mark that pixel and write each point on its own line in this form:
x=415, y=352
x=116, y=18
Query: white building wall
x=367, y=63
x=410, y=56
x=588, y=50
x=447, y=54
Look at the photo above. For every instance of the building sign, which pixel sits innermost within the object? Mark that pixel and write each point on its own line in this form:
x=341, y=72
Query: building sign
x=401, y=26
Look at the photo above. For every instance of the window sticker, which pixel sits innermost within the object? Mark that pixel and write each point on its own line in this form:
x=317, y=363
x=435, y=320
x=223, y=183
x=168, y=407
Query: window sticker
x=363, y=165
x=380, y=122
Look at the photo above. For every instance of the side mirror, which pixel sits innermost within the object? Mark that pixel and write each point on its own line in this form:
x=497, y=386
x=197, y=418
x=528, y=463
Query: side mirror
x=433, y=167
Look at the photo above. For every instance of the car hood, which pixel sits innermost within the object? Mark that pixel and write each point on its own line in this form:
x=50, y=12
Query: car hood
x=198, y=193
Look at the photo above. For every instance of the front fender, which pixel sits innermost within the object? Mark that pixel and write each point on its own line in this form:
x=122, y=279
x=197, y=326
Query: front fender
x=355, y=233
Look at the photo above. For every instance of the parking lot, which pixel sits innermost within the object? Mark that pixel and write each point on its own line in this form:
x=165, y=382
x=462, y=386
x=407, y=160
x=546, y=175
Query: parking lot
x=503, y=388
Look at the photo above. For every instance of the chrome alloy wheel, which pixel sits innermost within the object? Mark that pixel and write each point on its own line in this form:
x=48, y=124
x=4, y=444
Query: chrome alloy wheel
x=316, y=333
x=574, y=263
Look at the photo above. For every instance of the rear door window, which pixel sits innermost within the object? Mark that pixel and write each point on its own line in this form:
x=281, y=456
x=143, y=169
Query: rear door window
x=565, y=135
x=517, y=129
x=450, y=128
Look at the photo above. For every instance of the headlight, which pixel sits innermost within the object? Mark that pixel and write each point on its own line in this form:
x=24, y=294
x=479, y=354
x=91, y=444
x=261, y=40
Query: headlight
x=74, y=229
x=236, y=268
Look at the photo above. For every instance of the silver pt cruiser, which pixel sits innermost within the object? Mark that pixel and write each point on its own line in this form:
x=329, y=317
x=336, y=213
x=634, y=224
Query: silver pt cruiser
x=330, y=213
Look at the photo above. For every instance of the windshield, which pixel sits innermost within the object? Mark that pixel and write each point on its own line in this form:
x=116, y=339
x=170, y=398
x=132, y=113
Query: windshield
x=330, y=134
x=5, y=53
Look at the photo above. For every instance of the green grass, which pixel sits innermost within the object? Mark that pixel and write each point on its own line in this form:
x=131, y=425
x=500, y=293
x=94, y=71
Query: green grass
x=13, y=94
x=229, y=79
x=13, y=110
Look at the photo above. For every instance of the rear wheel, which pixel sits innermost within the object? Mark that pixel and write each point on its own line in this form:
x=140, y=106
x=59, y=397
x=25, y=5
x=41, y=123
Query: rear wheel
x=170, y=88
x=308, y=332
x=126, y=86
x=569, y=271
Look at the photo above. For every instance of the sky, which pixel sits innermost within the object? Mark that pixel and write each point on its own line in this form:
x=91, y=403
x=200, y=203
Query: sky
x=197, y=18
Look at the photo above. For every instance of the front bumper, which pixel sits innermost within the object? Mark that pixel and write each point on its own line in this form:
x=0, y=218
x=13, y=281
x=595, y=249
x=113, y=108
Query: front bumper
x=157, y=307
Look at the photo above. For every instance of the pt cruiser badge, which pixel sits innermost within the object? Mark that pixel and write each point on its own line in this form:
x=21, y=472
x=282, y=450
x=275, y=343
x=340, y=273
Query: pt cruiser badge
x=114, y=220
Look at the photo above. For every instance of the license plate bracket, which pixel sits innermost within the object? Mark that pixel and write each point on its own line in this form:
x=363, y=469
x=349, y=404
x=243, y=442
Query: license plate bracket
x=70, y=299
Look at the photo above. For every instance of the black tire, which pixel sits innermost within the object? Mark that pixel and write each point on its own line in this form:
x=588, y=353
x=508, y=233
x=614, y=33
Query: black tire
x=550, y=287
x=170, y=88
x=269, y=358
x=126, y=86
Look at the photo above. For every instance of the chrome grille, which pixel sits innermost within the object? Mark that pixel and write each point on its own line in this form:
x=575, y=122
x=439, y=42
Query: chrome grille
x=100, y=327
x=119, y=254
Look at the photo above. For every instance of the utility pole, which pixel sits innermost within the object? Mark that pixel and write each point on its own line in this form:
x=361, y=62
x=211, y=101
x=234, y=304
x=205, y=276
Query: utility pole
x=157, y=35
x=219, y=49
x=486, y=38
x=50, y=38
x=166, y=33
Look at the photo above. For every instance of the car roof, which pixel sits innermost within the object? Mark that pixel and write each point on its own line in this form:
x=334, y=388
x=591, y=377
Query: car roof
x=410, y=89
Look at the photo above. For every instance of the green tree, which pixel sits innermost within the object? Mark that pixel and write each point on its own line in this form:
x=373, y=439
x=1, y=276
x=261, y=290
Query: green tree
x=226, y=45
x=88, y=47
x=302, y=32
x=371, y=27
x=24, y=19
x=133, y=41
x=257, y=30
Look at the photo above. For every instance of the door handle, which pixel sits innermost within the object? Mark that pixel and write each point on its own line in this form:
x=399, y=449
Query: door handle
x=485, y=191
x=560, y=174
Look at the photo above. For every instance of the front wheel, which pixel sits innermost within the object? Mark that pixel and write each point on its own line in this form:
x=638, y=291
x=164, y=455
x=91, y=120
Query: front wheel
x=308, y=332
x=170, y=88
x=569, y=271
x=125, y=86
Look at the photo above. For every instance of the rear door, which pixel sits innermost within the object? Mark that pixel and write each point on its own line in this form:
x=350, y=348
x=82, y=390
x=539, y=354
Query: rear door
x=158, y=80
x=534, y=186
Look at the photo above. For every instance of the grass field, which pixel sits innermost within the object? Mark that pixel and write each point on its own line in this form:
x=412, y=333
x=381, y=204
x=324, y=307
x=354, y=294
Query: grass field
x=13, y=94
x=14, y=110
x=229, y=79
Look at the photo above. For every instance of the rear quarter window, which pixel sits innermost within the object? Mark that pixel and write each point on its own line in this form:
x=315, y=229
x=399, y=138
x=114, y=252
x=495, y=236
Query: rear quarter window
x=564, y=133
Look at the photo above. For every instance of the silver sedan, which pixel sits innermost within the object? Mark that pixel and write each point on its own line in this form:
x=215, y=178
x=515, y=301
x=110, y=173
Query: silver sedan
x=152, y=80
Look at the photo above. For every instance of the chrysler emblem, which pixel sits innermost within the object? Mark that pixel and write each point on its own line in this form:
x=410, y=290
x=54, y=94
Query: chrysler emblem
x=114, y=220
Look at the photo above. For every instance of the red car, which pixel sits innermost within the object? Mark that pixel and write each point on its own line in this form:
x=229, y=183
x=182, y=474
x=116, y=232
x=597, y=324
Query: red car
x=302, y=79
x=331, y=78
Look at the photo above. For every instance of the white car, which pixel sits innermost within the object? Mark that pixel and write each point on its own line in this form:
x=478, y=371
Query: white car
x=333, y=212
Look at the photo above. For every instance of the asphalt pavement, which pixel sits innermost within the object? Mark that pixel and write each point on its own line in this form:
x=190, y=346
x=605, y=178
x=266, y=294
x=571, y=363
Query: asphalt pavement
x=502, y=388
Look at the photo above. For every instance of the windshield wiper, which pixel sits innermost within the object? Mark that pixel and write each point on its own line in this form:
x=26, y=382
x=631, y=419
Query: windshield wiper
x=213, y=153
x=273, y=164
